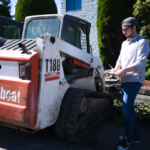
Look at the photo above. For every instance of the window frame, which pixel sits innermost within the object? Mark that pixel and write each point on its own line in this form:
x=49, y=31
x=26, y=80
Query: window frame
x=74, y=6
x=43, y=17
x=8, y=22
x=68, y=18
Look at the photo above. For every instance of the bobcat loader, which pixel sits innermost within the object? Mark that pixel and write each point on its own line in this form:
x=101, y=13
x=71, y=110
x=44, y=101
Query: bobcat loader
x=50, y=77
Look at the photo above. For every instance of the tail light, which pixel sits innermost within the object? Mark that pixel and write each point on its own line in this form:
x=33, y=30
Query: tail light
x=25, y=70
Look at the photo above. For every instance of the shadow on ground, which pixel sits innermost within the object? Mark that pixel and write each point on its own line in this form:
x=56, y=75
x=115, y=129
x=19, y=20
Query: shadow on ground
x=103, y=137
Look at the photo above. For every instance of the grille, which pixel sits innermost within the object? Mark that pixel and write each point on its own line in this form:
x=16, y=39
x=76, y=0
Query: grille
x=14, y=45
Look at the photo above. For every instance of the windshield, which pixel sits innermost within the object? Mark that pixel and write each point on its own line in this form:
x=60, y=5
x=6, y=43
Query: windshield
x=38, y=27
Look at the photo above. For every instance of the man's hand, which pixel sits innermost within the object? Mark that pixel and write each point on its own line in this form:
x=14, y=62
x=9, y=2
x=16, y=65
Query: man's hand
x=117, y=67
x=120, y=73
x=114, y=70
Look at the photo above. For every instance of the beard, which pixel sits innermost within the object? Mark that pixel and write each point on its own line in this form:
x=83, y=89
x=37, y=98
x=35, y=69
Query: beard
x=130, y=36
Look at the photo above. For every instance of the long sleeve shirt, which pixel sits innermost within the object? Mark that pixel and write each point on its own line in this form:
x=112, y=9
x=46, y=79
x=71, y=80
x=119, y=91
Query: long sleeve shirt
x=134, y=52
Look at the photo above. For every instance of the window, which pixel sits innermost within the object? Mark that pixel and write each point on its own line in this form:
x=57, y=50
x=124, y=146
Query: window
x=77, y=35
x=10, y=31
x=73, y=5
x=39, y=26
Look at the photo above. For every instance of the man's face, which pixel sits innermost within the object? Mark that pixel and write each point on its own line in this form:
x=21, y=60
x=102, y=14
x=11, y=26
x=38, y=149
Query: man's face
x=127, y=31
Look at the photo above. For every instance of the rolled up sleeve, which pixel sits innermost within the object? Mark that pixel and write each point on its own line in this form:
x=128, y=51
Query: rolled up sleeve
x=143, y=51
x=119, y=59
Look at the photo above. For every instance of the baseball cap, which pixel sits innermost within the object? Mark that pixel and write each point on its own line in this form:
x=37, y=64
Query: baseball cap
x=130, y=21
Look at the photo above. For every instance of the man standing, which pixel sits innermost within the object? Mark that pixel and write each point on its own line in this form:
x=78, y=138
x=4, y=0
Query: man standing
x=132, y=59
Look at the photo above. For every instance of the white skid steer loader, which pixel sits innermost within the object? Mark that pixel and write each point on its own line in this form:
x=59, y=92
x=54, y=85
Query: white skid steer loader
x=49, y=77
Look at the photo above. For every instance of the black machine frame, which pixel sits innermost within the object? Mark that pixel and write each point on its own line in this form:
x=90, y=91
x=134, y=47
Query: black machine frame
x=9, y=24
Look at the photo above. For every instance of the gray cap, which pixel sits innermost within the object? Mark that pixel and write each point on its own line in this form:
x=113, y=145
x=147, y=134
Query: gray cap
x=131, y=21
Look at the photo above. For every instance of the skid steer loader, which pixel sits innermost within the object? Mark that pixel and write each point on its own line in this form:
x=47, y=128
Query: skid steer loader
x=50, y=77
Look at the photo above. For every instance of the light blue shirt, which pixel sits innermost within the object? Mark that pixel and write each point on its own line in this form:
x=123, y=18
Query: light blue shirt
x=134, y=53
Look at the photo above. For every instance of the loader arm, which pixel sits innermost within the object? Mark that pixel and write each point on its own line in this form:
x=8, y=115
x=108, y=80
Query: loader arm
x=83, y=59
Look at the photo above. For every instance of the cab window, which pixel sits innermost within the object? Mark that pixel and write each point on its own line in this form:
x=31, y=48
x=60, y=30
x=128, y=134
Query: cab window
x=37, y=27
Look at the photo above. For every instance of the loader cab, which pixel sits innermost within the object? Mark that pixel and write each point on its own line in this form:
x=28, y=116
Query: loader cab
x=76, y=32
x=68, y=28
x=71, y=29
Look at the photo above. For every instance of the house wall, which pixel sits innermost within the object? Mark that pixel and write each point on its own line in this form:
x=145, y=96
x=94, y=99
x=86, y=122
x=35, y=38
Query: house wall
x=88, y=12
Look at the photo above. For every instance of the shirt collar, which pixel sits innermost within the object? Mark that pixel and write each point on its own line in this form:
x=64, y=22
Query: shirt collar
x=134, y=38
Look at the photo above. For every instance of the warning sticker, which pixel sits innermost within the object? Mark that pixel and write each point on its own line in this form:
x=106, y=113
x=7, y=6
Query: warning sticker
x=52, y=76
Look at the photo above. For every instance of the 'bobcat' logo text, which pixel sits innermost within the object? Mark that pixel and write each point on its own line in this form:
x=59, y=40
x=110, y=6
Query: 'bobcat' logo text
x=12, y=96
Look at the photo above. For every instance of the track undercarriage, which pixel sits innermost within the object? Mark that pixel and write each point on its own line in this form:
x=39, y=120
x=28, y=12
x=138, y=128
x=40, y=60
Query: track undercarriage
x=80, y=112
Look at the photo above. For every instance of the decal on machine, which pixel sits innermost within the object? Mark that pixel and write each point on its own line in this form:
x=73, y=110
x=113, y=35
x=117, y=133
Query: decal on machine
x=12, y=96
x=52, y=69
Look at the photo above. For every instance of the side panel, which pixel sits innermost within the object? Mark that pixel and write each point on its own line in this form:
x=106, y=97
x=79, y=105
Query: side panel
x=52, y=85
x=18, y=97
x=93, y=61
x=15, y=107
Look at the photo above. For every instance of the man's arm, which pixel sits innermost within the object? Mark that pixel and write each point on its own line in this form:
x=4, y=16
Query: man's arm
x=143, y=50
x=120, y=72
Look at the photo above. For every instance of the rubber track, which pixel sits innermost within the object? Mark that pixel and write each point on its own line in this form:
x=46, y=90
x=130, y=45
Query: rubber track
x=60, y=126
x=69, y=111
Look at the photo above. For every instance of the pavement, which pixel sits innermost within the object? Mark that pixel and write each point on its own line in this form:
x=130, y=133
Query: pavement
x=103, y=137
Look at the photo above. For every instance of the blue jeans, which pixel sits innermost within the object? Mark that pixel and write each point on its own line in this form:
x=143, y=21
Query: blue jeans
x=129, y=91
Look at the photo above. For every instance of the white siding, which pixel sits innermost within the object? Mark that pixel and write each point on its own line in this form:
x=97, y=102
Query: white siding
x=88, y=12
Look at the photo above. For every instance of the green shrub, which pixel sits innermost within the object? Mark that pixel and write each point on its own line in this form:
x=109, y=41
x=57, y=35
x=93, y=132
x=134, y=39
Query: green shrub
x=7, y=3
x=142, y=13
x=4, y=11
x=147, y=72
x=15, y=35
x=116, y=117
x=34, y=7
x=109, y=17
